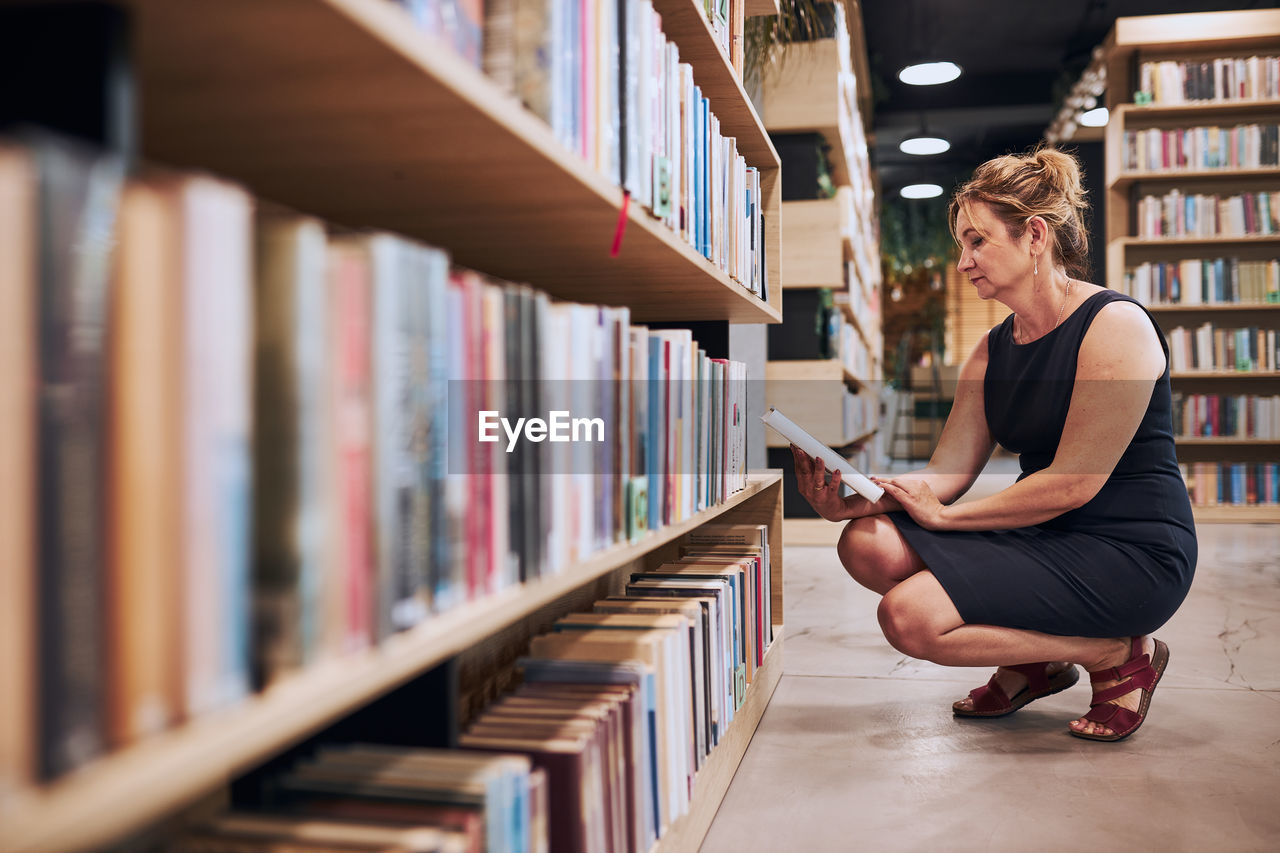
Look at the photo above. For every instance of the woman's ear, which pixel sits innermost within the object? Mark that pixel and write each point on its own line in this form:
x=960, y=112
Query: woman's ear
x=1038, y=229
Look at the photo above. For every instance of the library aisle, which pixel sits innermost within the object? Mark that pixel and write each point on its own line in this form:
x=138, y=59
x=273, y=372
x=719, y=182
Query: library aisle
x=859, y=749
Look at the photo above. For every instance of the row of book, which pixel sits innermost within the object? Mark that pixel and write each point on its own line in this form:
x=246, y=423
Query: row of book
x=1204, y=281
x=1212, y=348
x=855, y=354
x=388, y=799
x=235, y=443
x=597, y=749
x=613, y=89
x=690, y=636
x=1178, y=214
x=1235, y=78
x=1232, y=483
x=1226, y=415
x=1245, y=146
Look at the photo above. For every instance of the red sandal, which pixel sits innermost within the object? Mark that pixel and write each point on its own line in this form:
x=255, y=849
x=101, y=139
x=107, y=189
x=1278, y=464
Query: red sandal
x=990, y=700
x=1143, y=673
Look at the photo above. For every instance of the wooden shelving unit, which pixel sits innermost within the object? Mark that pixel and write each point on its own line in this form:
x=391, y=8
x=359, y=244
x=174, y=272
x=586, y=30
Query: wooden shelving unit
x=822, y=87
x=1202, y=37
x=342, y=109
x=367, y=121
x=129, y=789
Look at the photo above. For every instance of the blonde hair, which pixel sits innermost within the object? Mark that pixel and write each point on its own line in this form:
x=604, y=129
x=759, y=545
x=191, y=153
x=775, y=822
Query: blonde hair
x=1045, y=182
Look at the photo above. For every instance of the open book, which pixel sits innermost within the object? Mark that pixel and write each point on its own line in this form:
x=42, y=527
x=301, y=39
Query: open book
x=854, y=480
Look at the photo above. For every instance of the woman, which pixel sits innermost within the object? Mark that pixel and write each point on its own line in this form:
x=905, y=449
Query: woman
x=1094, y=546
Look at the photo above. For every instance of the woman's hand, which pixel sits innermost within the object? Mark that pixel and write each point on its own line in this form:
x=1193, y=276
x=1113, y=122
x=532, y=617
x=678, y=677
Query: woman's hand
x=918, y=500
x=825, y=497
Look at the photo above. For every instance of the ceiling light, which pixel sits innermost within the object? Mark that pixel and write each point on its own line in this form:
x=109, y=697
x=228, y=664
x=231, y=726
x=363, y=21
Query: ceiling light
x=1095, y=118
x=929, y=73
x=921, y=191
x=924, y=145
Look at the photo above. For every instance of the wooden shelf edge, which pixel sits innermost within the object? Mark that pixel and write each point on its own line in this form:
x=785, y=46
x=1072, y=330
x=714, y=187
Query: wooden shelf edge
x=762, y=8
x=1225, y=441
x=1167, y=242
x=127, y=790
x=1214, y=307
x=1226, y=374
x=713, y=780
x=1144, y=111
x=1128, y=179
x=1227, y=514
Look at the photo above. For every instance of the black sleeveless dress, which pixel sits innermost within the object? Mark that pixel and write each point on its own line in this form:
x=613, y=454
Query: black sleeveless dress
x=1118, y=566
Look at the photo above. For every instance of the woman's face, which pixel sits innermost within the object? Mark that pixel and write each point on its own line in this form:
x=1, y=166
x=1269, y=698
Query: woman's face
x=990, y=258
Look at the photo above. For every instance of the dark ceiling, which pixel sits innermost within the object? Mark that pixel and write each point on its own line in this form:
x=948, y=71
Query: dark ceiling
x=1019, y=58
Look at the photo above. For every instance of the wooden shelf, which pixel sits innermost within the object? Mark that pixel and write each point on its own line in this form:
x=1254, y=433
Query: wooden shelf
x=1128, y=179
x=712, y=781
x=1165, y=36
x=1226, y=374
x=1173, y=242
x=1226, y=514
x=817, y=245
x=132, y=788
x=1225, y=441
x=809, y=392
x=359, y=117
x=685, y=23
x=1140, y=113
x=1215, y=308
x=760, y=8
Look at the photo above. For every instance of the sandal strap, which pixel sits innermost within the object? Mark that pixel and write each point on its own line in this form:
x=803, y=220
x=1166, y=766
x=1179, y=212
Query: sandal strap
x=1144, y=680
x=1113, y=717
x=1036, y=674
x=989, y=697
x=1138, y=659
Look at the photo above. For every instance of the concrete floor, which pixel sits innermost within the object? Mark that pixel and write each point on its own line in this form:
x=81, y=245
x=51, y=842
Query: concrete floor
x=858, y=749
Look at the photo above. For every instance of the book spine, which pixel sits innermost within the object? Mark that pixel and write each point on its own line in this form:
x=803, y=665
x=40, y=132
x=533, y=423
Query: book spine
x=78, y=200
x=18, y=437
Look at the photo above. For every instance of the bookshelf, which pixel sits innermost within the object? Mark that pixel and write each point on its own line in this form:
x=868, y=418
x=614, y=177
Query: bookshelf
x=821, y=87
x=1199, y=38
x=357, y=117
x=101, y=802
x=339, y=131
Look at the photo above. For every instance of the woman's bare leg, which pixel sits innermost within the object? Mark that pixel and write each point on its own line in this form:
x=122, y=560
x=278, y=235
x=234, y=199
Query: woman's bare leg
x=919, y=619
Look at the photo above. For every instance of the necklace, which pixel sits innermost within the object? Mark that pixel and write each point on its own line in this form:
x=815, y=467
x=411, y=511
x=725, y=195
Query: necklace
x=1066, y=297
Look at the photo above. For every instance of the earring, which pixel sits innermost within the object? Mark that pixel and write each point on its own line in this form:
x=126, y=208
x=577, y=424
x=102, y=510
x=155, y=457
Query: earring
x=1036, y=270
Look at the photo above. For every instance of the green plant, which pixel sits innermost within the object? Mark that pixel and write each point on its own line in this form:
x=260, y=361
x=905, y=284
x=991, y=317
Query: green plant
x=914, y=234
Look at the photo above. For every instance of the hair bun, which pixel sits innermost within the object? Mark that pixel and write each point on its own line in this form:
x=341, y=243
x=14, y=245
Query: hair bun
x=1062, y=171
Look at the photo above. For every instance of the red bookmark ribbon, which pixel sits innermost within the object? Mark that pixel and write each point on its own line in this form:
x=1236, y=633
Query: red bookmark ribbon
x=622, y=225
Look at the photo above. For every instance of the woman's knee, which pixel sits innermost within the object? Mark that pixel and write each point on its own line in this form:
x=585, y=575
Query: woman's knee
x=874, y=554
x=907, y=628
